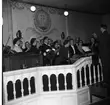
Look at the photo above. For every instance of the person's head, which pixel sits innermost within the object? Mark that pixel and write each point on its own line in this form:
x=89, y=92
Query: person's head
x=63, y=35
x=45, y=40
x=94, y=35
x=56, y=45
x=21, y=43
x=71, y=42
x=27, y=44
x=92, y=40
x=41, y=42
x=33, y=42
x=68, y=38
x=80, y=43
x=19, y=34
x=50, y=41
x=103, y=28
x=77, y=40
x=16, y=41
x=66, y=43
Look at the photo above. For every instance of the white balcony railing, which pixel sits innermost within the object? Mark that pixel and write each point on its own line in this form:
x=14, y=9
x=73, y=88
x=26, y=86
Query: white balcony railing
x=23, y=84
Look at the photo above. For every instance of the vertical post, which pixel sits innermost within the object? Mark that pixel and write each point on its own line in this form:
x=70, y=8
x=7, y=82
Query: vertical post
x=101, y=68
x=98, y=73
x=57, y=82
x=74, y=78
x=14, y=91
x=5, y=97
x=80, y=78
x=90, y=74
x=22, y=91
x=94, y=74
x=29, y=88
x=85, y=79
x=65, y=81
x=49, y=82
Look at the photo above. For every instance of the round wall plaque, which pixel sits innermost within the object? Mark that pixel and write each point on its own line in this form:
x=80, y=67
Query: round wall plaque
x=42, y=21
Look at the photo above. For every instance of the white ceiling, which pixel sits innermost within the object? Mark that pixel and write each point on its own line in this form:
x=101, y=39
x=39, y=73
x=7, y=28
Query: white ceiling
x=91, y=6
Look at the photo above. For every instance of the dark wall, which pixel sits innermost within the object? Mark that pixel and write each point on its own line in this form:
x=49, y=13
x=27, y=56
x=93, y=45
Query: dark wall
x=106, y=20
x=83, y=25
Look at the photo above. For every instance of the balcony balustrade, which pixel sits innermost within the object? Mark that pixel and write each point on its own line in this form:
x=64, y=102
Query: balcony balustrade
x=23, y=85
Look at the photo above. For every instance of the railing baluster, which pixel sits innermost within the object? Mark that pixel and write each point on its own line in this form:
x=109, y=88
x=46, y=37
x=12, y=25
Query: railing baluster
x=14, y=91
x=65, y=81
x=29, y=88
x=22, y=90
x=5, y=91
x=57, y=82
x=101, y=69
x=101, y=72
x=98, y=73
x=94, y=71
x=80, y=78
x=85, y=79
x=49, y=85
x=90, y=74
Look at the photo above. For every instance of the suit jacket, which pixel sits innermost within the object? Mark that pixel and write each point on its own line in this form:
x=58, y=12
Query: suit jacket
x=104, y=52
x=63, y=55
x=71, y=51
x=44, y=47
x=43, y=50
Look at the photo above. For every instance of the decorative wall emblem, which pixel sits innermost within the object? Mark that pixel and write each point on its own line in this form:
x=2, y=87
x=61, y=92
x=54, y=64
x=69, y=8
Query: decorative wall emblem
x=42, y=21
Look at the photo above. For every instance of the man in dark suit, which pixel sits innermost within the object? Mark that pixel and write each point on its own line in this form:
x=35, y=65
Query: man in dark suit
x=71, y=48
x=104, y=52
x=63, y=53
x=44, y=50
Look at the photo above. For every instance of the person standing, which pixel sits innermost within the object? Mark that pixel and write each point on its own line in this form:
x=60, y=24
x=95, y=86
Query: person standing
x=104, y=52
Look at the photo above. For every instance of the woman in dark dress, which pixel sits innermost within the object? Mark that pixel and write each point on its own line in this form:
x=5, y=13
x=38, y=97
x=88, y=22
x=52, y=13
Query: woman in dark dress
x=34, y=48
x=94, y=51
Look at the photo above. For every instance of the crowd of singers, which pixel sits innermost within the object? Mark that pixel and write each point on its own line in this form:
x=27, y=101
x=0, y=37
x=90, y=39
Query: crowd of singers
x=54, y=52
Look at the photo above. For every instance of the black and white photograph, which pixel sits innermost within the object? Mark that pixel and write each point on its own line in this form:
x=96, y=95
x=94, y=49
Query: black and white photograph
x=55, y=52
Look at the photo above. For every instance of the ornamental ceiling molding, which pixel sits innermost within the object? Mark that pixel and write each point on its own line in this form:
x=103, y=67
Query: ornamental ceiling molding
x=21, y=6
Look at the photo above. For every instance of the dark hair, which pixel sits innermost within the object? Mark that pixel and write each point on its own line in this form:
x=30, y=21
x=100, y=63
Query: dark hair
x=15, y=40
x=32, y=41
x=104, y=26
x=65, y=42
x=45, y=38
x=68, y=38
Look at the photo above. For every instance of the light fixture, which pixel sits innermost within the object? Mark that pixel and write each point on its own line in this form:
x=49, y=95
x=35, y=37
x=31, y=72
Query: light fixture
x=32, y=8
x=66, y=13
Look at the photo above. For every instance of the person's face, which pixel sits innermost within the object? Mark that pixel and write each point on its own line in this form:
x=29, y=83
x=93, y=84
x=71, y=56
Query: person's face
x=67, y=45
x=46, y=40
x=49, y=41
x=94, y=35
x=21, y=43
x=71, y=42
x=56, y=45
x=80, y=43
x=27, y=44
x=102, y=29
x=18, y=42
x=92, y=40
x=35, y=42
